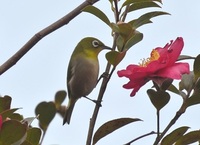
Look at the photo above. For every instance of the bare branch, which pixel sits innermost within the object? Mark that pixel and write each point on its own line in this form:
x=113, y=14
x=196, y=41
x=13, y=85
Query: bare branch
x=38, y=36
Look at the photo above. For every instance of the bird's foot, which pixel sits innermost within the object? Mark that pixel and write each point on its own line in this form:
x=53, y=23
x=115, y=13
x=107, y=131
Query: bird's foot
x=95, y=101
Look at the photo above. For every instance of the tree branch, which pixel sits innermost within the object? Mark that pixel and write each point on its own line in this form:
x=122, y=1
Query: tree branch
x=38, y=36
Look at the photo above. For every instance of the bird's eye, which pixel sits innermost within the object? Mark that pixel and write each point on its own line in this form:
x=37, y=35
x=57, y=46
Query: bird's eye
x=95, y=43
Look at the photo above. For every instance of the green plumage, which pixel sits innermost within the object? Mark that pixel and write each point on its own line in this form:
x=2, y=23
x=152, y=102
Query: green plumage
x=83, y=70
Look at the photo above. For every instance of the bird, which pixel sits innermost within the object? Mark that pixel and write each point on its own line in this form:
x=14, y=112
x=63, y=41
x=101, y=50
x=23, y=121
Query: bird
x=83, y=71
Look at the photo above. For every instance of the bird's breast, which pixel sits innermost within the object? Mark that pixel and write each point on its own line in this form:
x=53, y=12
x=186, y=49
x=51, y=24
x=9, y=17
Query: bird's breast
x=84, y=76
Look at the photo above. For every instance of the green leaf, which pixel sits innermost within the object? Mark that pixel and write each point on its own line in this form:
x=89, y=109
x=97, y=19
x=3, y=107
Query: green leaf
x=111, y=126
x=184, y=57
x=46, y=112
x=189, y=138
x=120, y=43
x=141, y=5
x=193, y=100
x=128, y=2
x=33, y=136
x=196, y=67
x=98, y=13
x=8, y=113
x=60, y=97
x=115, y=57
x=12, y=132
x=16, y=116
x=166, y=84
x=5, y=103
x=137, y=37
x=174, y=136
x=145, y=19
x=187, y=82
x=159, y=99
x=173, y=89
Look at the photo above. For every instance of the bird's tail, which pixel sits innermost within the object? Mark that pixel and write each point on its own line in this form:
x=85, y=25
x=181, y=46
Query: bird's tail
x=69, y=111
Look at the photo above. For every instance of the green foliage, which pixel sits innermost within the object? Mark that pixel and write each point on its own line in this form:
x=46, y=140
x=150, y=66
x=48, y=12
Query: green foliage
x=111, y=126
x=46, y=112
x=98, y=13
x=59, y=98
x=174, y=135
x=196, y=67
x=145, y=19
x=187, y=82
x=142, y=5
x=12, y=132
x=158, y=98
x=115, y=57
x=191, y=137
x=5, y=103
x=33, y=137
x=14, y=129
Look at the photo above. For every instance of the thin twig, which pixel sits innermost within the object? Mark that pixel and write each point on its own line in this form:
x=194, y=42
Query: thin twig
x=99, y=99
x=150, y=133
x=158, y=123
x=123, y=16
x=38, y=36
x=116, y=11
x=172, y=122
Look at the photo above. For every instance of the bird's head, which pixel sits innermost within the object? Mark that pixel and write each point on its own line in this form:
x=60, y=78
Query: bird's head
x=91, y=46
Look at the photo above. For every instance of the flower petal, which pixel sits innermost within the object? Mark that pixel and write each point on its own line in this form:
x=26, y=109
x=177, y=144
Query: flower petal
x=135, y=85
x=175, y=71
x=170, y=53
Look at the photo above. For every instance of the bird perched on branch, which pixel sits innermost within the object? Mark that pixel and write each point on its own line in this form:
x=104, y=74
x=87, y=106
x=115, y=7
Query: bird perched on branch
x=83, y=71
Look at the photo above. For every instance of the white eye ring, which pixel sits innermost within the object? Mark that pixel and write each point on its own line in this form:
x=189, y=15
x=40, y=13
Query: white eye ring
x=95, y=43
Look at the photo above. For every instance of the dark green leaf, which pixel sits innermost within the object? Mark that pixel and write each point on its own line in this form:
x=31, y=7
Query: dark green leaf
x=120, y=43
x=60, y=97
x=141, y=5
x=159, y=99
x=193, y=100
x=8, y=113
x=98, y=13
x=111, y=126
x=187, y=82
x=184, y=57
x=12, y=132
x=46, y=112
x=128, y=2
x=166, y=84
x=5, y=103
x=173, y=89
x=145, y=19
x=189, y=138
x=33, y=136
x=174, y=136
x=137, y=37
x=196, y=67
x=16, y=116
x=115, y=57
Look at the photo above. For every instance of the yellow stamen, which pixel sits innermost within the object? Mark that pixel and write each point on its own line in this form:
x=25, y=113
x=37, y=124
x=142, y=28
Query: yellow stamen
x=154, y=56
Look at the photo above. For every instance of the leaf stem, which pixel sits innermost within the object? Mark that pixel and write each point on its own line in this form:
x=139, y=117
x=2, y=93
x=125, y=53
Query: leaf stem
x=158, y=123
x=142, y=136
x=172, y=122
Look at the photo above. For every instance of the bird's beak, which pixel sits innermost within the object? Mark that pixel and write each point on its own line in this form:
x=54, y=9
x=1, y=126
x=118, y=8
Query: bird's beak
x=106, y=47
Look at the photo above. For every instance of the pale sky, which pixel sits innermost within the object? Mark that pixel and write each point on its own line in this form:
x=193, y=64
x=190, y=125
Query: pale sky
x=42, y=71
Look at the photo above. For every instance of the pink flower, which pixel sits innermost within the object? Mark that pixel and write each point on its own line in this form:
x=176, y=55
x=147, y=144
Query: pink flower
x=1, y=121
x=161, y=64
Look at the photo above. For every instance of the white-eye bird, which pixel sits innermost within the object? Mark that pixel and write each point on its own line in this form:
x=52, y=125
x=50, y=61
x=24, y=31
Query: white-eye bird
x=83, y=71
